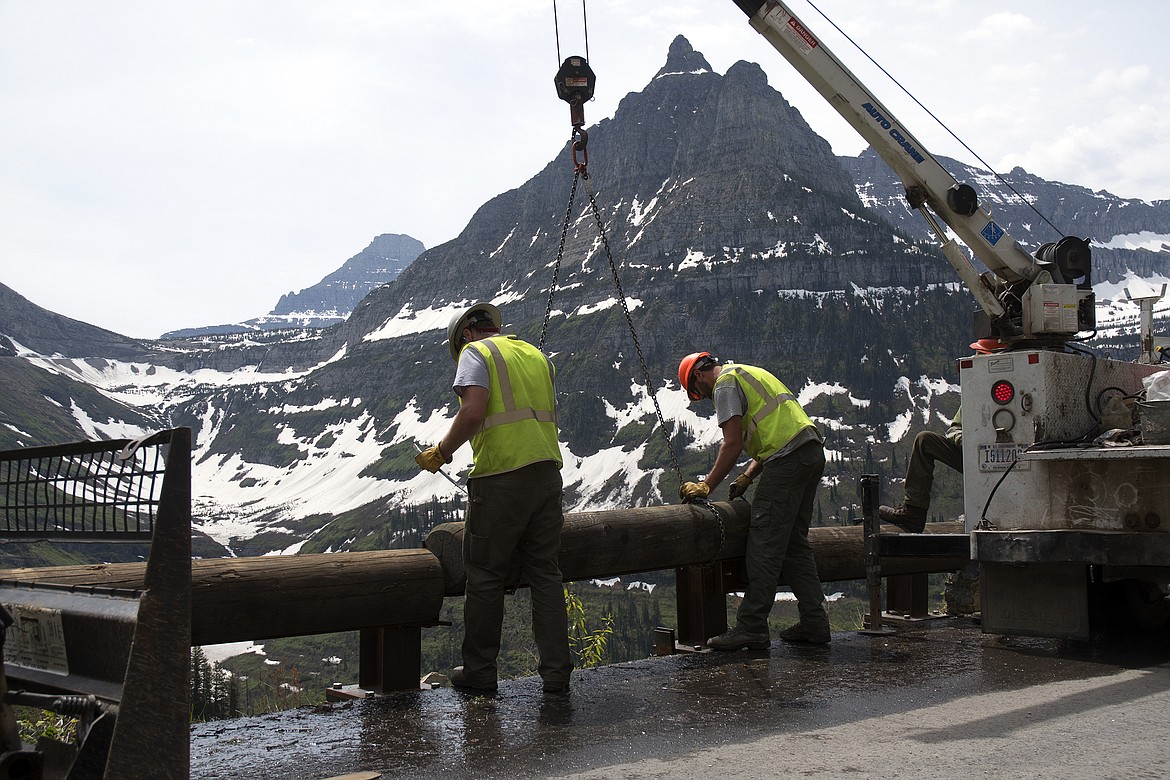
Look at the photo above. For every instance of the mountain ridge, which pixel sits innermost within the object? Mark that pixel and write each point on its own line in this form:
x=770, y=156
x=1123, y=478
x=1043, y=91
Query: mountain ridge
x=330, y=300
x=732, y=228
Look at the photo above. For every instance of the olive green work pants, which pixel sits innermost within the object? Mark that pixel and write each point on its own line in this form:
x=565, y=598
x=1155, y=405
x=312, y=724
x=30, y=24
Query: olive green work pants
x=929, y=447
x=519, y=514
x=777, y=543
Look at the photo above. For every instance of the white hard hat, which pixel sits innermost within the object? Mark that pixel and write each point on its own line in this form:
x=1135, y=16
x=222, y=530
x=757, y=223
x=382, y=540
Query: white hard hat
x=483, y=314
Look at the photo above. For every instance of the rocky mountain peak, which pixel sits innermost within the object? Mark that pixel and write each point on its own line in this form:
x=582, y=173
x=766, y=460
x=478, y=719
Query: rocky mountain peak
x=380, y=262
x=748, y=74
x=682, y=58
x=330, y=300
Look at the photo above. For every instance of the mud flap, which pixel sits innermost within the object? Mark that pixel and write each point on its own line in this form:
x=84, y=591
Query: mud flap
x=1040, y=599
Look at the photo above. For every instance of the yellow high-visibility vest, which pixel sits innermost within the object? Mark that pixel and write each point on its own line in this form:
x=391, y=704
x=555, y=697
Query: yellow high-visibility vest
x=773, y=415
x=520, y=426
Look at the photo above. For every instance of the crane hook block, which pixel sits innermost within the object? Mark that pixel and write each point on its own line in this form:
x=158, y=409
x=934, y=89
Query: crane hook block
x=575, y=81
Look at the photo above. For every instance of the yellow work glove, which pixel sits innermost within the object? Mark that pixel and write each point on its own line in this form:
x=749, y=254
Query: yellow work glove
x=431, y=459
x=689, y=491
x=739, y=486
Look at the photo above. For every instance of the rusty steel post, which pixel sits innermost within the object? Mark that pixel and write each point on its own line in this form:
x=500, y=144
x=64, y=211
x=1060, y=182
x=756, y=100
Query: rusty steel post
x=702, y=605
x=908, y=594
x=873, y=561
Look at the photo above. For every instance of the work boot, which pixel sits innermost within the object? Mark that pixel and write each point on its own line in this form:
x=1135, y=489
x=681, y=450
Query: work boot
x=738, y=639
x=802, y=633
x=556, y=687
x=460, y=681
x=908, y=518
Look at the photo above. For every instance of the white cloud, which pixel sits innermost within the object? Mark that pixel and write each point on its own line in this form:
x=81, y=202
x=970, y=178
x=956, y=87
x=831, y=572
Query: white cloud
x=1001, y=26
x=1126, y=79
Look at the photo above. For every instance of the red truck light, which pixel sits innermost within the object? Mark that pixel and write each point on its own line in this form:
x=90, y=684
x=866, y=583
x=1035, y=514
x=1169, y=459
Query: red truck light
x=1002, y=392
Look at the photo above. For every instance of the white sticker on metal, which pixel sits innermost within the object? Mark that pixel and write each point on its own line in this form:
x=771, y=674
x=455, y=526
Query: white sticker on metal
x=796, y=33
x=1001, y=455
x=36, y=639
x=1001, y=364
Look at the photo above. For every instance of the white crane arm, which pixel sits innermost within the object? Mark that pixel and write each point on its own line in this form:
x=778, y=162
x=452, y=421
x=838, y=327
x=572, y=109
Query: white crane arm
x=927, y=183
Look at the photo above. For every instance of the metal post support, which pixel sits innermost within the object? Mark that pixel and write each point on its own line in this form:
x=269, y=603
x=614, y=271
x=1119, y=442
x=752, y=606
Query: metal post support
x=908, y=594
x=390, y=658
x=702, y=605
x=664, y=641
x=873, y=565
x=151, y=737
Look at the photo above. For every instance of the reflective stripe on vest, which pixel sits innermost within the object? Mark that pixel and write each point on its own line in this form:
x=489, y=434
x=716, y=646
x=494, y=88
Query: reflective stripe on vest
x=520, y=425
x=511, y=413
x=773, y=416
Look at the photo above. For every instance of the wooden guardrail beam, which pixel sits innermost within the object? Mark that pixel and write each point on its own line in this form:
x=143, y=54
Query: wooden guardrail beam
x=237, y=599
x=624, y=541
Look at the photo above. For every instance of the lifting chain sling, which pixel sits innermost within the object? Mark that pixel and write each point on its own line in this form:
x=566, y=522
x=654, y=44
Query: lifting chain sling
x=575, y=81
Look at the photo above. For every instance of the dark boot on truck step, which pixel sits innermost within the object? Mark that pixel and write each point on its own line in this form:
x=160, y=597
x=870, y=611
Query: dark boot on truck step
x=908, y=518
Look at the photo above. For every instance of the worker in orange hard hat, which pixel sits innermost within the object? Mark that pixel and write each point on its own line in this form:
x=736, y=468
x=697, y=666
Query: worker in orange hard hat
x=759, y=414
x=929, y=448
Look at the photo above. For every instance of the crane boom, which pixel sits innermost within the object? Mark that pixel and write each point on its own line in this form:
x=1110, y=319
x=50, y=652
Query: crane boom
x=1024, y=297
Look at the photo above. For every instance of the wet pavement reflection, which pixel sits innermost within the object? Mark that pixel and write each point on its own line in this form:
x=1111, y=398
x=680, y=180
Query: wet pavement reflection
x=657, y=707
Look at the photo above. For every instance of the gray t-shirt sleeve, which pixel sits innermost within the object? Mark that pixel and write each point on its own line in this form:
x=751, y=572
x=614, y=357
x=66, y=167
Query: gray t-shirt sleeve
x=729, y=402
x=472, y=370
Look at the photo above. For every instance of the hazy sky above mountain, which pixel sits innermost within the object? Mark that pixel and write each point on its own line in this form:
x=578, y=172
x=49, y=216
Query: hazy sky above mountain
x=175, y=165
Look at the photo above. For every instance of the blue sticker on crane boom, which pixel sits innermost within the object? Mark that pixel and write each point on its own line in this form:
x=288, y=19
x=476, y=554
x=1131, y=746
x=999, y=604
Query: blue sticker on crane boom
x=992, y=232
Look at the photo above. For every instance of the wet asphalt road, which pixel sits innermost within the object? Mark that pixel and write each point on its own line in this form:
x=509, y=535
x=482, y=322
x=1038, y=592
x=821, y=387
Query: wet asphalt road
x=937, y=699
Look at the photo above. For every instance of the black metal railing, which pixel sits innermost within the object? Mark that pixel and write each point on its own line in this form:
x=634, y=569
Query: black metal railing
x=84, y=491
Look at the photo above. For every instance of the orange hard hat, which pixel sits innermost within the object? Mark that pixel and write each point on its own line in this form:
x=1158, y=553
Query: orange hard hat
x=987, y=346
x=686, y=368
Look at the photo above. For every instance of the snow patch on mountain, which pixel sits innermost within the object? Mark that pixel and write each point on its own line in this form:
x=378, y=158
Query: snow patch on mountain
x=1153, y=242
x=408, y=322
x=111, y=429
x=631, y=304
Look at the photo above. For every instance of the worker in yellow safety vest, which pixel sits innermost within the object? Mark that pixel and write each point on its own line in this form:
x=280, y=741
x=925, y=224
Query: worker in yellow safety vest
x=760, y=415
x=507, y=411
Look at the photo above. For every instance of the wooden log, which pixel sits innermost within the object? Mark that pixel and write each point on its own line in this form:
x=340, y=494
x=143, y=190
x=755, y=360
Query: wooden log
x=612, y=542
x=624, y=541
x=238, y=599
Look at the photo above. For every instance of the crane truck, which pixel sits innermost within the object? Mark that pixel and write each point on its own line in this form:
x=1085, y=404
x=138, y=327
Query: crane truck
x=1058, y=525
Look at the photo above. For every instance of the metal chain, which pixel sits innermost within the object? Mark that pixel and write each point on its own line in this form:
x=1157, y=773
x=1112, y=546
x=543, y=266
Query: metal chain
x=630, y=321
x=552, y=288
x=707, y=503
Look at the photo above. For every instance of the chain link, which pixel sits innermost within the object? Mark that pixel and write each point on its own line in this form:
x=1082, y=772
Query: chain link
x=707, y=503
x=580, y=174
x=617, y=282
x=552, y=288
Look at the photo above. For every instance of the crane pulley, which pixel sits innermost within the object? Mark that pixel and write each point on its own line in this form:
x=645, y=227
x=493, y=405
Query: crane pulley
x=575, y=82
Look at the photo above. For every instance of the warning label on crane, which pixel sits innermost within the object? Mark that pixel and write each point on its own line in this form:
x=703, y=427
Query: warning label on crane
x=801, y=38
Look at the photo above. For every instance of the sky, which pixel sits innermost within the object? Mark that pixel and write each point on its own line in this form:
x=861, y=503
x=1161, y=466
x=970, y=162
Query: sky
x=172, y=165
